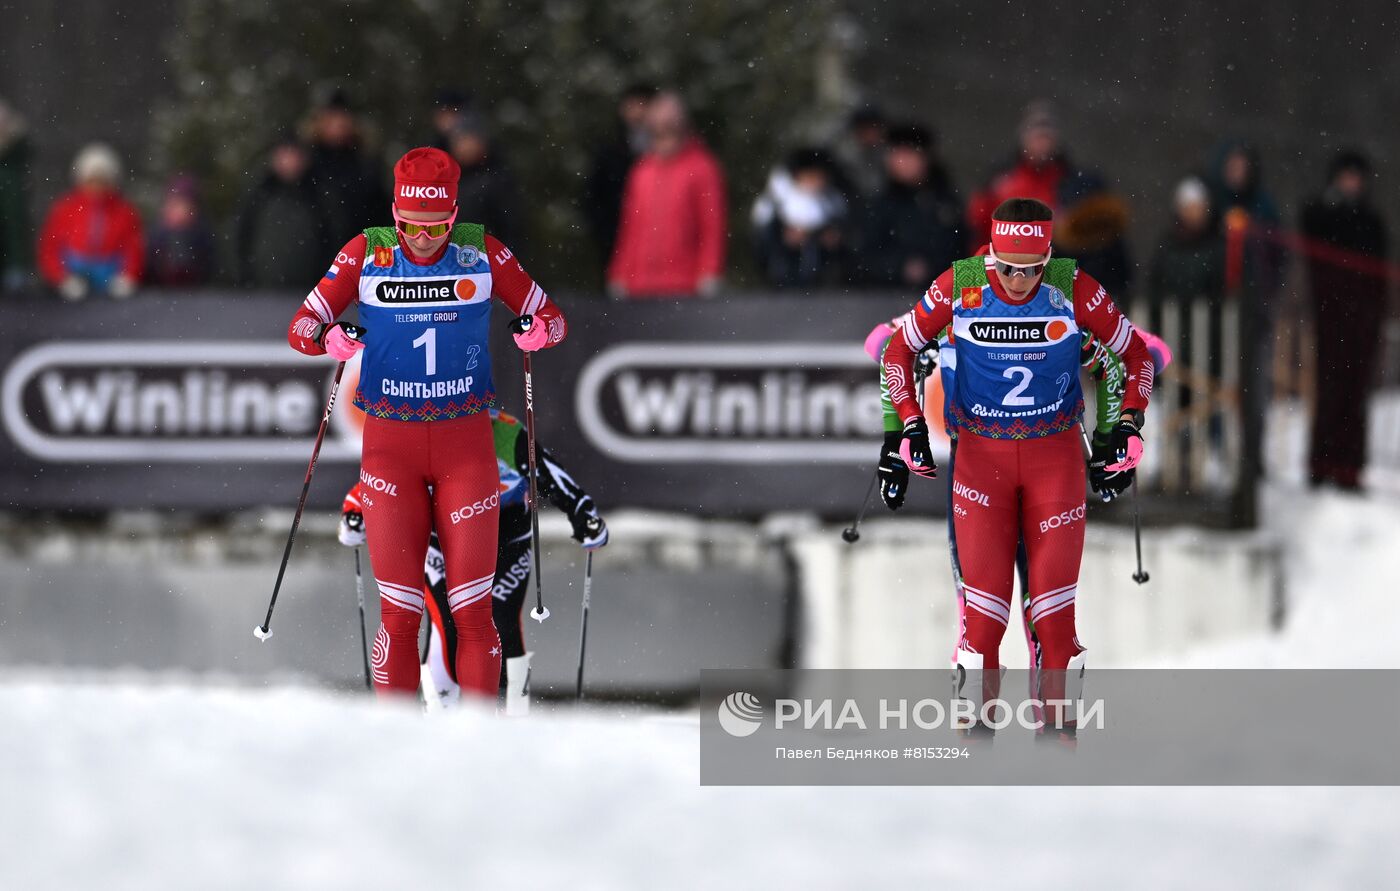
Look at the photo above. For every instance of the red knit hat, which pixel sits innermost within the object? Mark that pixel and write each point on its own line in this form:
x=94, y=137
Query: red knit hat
x=425, y=179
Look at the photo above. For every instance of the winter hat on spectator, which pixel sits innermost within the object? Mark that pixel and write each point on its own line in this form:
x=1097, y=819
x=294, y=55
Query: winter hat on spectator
x=1191, y=191
x=451, y=99
x=425, y=180
x=1040, y=115
x=1349, y=159
x=804, y=159
x=865, y=116
x=97, y=160
x=915, y=136
x=332, y=97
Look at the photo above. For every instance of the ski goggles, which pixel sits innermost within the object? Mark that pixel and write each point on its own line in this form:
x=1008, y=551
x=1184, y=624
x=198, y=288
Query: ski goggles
x=1029, y=270
x=411, y=229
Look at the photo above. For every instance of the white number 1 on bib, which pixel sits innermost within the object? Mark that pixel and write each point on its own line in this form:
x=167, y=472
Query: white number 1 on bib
x=429, y=342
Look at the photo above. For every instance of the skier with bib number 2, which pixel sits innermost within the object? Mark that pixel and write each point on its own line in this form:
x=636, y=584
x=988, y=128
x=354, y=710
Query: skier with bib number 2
x=1016, y=317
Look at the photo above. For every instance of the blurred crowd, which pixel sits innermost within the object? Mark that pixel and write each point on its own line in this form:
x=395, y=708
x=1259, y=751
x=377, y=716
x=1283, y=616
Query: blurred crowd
x=873, y=207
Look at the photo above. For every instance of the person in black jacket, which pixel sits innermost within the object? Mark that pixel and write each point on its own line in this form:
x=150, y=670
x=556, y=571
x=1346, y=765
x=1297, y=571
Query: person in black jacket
x=488, y=193
x=1346, y=250
x=340, y=169
x=1188, y=269
x=798, y=221
x=16, y=231
x=283, y=237
x=913, y=230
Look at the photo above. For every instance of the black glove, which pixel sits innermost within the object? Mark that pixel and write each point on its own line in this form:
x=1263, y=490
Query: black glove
x=893, y=472
x=589, y=529
x=915, y=444
x=1107, y=484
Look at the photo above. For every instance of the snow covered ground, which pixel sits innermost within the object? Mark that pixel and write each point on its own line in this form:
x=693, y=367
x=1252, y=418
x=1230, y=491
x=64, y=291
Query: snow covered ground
x=151, y=787
x=154, y=784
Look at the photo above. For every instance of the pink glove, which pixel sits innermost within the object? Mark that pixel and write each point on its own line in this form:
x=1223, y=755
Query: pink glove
x=916, y=469
x=528, y=335
x=1134, y=455
x=1161, y=353
x=342, y=341
x=875, y=340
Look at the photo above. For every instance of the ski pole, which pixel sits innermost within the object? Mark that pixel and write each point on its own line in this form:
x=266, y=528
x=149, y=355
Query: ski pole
x=1141, y=575
x=360, y=596
x=539, y=613
x=583, y=627
x=263, y=632
x=851, y=534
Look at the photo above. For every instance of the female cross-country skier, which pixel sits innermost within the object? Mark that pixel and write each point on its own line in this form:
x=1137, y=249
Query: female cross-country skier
x=1016, y=317
x=424, y=288
x=1104, y=368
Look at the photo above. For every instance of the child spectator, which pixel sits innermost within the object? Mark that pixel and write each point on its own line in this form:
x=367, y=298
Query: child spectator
x=797, y=222
x=91, y=240
x=182, y=243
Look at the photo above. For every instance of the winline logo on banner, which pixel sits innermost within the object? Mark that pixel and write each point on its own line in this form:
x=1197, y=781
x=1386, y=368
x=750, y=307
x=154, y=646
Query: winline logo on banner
x=152, y=401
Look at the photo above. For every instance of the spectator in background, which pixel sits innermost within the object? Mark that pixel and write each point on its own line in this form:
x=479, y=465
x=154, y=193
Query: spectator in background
x=16, y=239
x=182, y=243
x=1188, y=270
x=798, y=222
x=350, y=186
x=607, y=177
x=283, y=235
x=448, y=107
x=487, y=193
x=861, y=152
x=1349, y=307
x=672, y=229
x=1254, y=264
x=1247, y=209
x=1189, y=262
x=912, y=230
x=1092, y=227
x=91, y=240
x=1037, y=171
x=1091, y=221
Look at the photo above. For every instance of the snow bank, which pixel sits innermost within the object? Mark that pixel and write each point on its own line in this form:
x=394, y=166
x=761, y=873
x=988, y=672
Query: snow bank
x=1342, y=609
x=140, y=786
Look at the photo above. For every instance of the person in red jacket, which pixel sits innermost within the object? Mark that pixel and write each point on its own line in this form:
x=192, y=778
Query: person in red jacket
x=671, y=235
x=91, y=240
x=424, y=290
x=1037, y=172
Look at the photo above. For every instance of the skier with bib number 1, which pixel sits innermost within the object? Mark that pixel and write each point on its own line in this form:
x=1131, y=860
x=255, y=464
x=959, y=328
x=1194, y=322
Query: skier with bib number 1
x=424, y=287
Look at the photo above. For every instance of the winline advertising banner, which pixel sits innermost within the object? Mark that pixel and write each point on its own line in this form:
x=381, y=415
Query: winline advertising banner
x=734, y=407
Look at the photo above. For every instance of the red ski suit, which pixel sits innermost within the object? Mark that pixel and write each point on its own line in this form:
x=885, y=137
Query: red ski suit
x=1009, y=488
x=417, y=475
